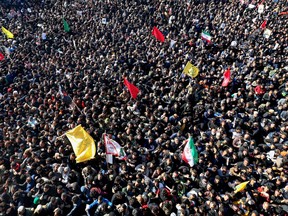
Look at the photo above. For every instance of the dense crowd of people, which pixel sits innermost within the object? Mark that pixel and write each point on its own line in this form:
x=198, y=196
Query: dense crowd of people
x=240, y=131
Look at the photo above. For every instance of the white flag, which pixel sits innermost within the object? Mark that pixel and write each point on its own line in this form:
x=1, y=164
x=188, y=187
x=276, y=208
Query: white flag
x=270, y=155
x=43, y=36
x=276, y=46
x=261, y=8
x=172, y=43
x=104, y=21
x=6, y=50
x=267, y=33
x=60, y=92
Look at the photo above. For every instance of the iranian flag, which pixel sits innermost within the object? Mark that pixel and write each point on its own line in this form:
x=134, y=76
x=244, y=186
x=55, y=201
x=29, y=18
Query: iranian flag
x=190, y=154
x=114, y=148
x=206, y=36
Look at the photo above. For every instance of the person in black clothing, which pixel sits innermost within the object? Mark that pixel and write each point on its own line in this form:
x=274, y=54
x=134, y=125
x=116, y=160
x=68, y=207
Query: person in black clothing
x=78, y=207
x=63, y=64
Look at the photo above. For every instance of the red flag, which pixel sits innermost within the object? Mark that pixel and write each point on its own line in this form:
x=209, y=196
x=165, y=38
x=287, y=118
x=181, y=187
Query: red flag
x=1, y=56
x=158, y=34
x=263, y=25
x=133, y=89
x=283, y=13
x=227, y=75
x=259, y=90
x=260, y=3
x=83, y=104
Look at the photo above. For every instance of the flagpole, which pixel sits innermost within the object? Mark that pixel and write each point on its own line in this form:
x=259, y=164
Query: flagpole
x=102, y=140
x=182, y=144
x=61, y=137
x=60, y=88
x=77, y=107
x=8, y=54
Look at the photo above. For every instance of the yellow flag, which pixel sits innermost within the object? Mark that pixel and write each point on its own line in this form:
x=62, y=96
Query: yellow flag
x=7, y=33
x=240, y=187
x=82, y=143
x=191, y=70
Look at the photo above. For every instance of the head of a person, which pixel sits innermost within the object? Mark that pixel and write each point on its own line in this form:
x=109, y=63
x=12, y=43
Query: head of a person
x=21, y=210
x=246, y=162
x=266, y=205
x=46, y=188
x=75, y=199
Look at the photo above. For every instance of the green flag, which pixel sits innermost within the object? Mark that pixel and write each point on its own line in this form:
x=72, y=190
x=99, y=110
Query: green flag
x=66, y=26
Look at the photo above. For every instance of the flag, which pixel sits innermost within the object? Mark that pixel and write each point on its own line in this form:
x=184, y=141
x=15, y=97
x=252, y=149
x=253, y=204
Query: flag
x=7, y=33
x=206, y=36
x=260, y=8
x=82, y=143
x=241, y=187
x=267, y=33
x=62, y=94
x=1, y=56
x=66, y=26
x=227, y=75
x=114, y=148
x=190, y=154
x=158, y=34
x=109, y=158
x=172, y=43
x=43, y=36
x=132, y=89
x=191, y=70
x=67, y=99
x=7, y=50
x=259, y=90
x=263, y=25
x=104, y=21
x=283, y=13
x=261, y=3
